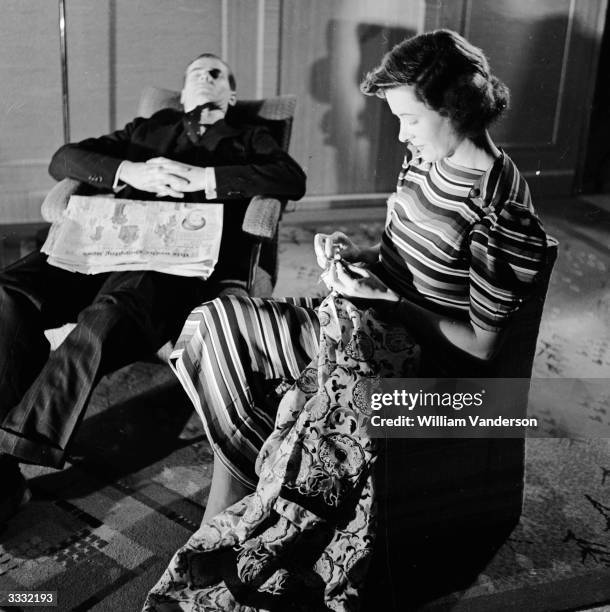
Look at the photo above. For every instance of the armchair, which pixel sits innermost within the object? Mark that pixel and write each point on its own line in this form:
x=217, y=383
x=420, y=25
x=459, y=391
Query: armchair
x=438, y=496
x=260, y=225
x=263, y=214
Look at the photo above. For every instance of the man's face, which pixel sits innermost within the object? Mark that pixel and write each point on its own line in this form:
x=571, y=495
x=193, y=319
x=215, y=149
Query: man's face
x=207, y=80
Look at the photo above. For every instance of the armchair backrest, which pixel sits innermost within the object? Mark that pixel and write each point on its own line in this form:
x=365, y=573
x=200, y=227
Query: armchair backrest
x=516, y=355
x=276, y=113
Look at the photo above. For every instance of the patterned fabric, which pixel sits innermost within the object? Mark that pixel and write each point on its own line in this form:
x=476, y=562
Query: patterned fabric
x=303, y=539
x=226, y=349
x=465, y=242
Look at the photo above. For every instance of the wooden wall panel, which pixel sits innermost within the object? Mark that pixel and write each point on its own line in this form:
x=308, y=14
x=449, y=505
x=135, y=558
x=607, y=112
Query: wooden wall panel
x=530, y=55
x=154, y=42
x=317, y=49
x=546, y=52
x=242, y=33
x=271, y=48
x=345, y=141
x=30, y=102
x=115, y=48
x=91, y=67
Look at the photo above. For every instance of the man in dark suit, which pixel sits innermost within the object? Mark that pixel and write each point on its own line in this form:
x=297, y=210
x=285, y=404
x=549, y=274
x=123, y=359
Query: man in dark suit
x=193, y=156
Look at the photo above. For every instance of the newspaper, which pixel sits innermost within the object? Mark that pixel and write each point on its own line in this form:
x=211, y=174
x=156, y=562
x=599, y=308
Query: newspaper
x=104, y=234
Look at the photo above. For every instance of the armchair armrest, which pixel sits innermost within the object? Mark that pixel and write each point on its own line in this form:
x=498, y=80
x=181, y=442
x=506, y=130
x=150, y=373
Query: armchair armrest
x=262, y=217
x=260, y=223
x=57, y=199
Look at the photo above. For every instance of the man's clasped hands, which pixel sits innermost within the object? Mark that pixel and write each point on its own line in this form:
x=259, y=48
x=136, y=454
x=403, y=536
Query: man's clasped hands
x=164, y=177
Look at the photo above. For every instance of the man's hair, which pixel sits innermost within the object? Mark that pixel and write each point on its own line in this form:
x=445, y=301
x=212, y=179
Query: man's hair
x=449, y=75
x=231, y=76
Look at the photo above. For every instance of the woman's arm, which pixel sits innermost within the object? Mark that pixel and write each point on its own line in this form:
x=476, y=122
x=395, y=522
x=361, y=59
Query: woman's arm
x=431, y=328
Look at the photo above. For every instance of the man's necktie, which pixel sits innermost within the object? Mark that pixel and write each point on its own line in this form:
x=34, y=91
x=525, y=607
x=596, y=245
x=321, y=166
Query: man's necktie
x=194, y=128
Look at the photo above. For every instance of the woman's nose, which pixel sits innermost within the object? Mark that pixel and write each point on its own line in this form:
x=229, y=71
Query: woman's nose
x=403, y=134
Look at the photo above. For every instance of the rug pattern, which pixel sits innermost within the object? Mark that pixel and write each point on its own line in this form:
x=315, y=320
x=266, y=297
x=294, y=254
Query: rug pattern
x=101, y=531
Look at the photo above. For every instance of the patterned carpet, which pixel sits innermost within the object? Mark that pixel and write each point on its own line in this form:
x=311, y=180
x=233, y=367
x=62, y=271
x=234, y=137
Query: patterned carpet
x=101, y=531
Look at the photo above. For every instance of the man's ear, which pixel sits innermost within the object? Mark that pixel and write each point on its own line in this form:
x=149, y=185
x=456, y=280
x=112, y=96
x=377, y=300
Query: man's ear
x=233, y=98
x=182, y=96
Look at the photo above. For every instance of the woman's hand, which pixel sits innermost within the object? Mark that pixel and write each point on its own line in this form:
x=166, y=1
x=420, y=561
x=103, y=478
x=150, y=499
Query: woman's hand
x=331, y=247
x=357, y=282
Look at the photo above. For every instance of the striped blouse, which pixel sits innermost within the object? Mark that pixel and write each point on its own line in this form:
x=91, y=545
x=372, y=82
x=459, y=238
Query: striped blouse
x=463, y=242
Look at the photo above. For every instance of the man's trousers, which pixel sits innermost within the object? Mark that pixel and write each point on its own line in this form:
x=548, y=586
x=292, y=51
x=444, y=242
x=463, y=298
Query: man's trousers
x=121, y=317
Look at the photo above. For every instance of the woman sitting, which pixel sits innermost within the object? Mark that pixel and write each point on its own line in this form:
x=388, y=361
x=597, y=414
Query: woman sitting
x=461, y=249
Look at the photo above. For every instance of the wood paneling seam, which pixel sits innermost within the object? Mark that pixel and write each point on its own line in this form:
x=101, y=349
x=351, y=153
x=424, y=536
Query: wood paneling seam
x=564, y=70
x=260, y=48
x=224, y=31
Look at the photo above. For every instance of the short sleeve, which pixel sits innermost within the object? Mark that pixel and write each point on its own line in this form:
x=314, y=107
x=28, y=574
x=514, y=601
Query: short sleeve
x=508, y=250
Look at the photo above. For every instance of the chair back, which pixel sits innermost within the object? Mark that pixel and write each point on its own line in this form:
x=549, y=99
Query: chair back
x=419, y=479
x=276, y=113
x=516, y=355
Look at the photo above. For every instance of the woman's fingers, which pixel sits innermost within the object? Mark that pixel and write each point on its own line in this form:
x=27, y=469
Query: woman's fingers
x=330, y=246
x=319, y=246
x=357, y=271
x=344, y=283
x=336, y=243
x=333, y=247
x=344, y=247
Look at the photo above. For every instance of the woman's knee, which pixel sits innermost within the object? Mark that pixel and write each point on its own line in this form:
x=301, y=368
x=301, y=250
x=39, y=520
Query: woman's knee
x=225, y=304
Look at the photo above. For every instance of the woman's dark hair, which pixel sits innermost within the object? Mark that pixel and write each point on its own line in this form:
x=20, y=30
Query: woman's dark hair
x=450, y=76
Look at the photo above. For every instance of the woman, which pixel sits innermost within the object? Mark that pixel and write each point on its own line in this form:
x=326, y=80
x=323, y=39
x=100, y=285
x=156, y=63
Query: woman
x=461, y=249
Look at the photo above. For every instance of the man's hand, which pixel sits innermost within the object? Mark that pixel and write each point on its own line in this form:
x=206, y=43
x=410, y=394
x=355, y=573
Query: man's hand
x=357, y=282
x=153, y=178
x=335, y=246
x=193, y=177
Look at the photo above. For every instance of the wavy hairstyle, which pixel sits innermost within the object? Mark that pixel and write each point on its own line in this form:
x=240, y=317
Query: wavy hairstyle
x=450, y=75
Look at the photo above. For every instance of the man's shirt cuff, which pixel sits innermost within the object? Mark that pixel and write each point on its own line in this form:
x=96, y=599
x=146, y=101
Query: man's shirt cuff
x=210, y=183
x=115, y=184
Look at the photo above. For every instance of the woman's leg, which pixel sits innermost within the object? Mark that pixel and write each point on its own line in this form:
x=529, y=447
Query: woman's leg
x=225, y=490
x=229, y=353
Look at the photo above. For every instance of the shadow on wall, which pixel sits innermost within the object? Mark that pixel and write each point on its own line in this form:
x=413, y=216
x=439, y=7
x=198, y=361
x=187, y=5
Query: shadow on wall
x=544, y=130
x=596, y=177
x=360, y=128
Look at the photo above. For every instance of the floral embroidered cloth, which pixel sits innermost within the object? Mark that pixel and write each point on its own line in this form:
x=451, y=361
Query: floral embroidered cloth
x=303, y=539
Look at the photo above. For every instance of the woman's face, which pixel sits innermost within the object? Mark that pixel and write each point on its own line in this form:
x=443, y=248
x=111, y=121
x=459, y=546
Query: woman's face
x=429, y=132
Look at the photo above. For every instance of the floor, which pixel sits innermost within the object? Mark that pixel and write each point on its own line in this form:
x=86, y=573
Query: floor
x=574, y=339
x=105, y=481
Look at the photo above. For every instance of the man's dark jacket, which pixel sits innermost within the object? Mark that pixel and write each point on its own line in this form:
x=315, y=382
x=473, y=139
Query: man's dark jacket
x=247, y=162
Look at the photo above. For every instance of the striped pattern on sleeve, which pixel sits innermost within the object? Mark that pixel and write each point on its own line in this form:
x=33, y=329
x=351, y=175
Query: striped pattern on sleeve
x=463, y=242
